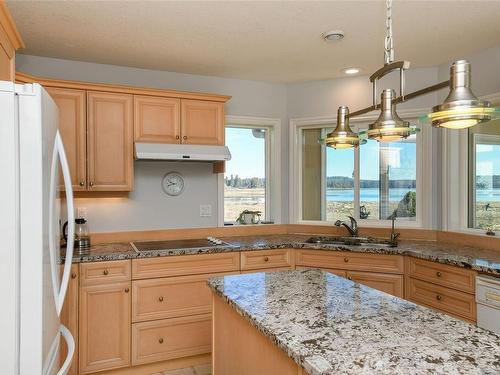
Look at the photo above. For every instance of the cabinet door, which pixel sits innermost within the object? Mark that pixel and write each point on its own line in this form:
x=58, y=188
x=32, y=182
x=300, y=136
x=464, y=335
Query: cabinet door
x=202, y=122
x=388, y=283
x=157, y=119
x=73, y=129
x=104, y=327
x=69, y=317
x=110, y=141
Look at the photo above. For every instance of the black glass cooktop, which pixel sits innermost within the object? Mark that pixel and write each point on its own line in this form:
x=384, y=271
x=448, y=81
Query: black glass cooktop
x=179, y=244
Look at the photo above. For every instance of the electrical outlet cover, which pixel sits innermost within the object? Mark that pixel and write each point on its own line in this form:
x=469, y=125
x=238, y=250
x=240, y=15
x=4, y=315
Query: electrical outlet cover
x=205, y=210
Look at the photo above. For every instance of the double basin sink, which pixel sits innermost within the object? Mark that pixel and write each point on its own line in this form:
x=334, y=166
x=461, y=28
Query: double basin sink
x=352, y=241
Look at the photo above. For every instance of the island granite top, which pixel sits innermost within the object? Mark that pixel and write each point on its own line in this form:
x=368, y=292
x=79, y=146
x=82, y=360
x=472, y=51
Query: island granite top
x=330, y=325
x=482, y=260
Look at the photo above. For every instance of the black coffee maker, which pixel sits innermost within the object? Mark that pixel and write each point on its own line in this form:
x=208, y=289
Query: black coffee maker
x=82, y=236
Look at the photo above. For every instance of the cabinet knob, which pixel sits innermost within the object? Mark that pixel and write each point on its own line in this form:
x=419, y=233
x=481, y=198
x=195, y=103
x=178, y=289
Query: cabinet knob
x=82, y=184
x=105, y=272
x=349, y=277
x=438, y=274
x=438, y=297
x=185, y=137
x=160, y=299
x=73, y=275
x=346, y=259
x=160, y=340
x=266, y=259
x=91, y=184
x=127, y=290
x=177, y=137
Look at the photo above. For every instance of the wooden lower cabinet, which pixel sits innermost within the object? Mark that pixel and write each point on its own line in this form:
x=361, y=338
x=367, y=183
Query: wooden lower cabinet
x=450, y=301
x=171, y=297
x=388, y=283
x=266, y=259
x=104, y=322
x=69, y=317
x=160, y=340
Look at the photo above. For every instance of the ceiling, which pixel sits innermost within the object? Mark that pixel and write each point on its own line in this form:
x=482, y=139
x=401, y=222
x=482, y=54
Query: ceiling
x=278, y=41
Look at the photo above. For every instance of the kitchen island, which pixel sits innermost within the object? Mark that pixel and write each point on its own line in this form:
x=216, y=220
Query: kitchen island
x=313, y=322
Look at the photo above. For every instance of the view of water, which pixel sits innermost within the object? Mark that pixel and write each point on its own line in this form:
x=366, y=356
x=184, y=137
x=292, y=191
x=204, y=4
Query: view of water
x=372, y=195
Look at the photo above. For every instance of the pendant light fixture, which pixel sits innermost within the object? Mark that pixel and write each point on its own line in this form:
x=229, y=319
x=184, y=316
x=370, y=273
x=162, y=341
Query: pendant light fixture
x=461, y=109
x=389, y=126
x=342, y=136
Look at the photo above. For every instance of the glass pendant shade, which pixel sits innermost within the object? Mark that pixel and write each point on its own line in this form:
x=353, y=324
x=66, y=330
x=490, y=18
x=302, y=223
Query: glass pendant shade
x=389, y=126
x=342, y=136
x=461, y=109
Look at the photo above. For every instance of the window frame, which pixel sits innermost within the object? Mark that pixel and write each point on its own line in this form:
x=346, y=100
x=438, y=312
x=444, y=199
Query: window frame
x=455, y=184
x=424, y=184
x=272, y=164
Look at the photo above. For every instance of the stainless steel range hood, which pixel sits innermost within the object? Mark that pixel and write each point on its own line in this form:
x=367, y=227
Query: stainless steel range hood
x=161, y=151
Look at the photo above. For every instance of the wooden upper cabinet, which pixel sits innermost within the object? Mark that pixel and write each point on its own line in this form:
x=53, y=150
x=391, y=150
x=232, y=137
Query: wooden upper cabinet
x=202, y=122
x=73, y=129
x=10, y=41
x=157, y=119
x=110, y=141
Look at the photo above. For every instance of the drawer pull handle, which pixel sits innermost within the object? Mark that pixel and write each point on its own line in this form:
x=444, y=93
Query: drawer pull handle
x=439, y=274
x=438, y=297
x=160, y=299
x=266, y=259
x=127, y=290
x=105, y=272
x=346, y=259
x=160, y=340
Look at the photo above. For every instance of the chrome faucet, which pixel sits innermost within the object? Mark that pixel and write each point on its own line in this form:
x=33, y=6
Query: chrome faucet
x=353, y=228
x=394, y=235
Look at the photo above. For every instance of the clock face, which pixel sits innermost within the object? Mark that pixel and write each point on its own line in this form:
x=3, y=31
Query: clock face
x=173, y=183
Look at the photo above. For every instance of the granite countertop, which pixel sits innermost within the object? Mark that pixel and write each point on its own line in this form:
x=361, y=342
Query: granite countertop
x=330, y=325
x=482, y=260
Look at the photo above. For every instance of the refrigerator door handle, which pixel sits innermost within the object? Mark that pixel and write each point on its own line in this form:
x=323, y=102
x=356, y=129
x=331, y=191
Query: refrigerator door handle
x=70, y=343
x=60, y=290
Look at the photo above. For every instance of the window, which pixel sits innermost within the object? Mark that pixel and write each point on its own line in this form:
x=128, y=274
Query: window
x=484, y=176
x=245, y=177
x=371, y=182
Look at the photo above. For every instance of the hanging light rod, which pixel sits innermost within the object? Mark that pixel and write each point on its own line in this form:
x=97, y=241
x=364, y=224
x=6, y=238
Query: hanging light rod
x=403, y=98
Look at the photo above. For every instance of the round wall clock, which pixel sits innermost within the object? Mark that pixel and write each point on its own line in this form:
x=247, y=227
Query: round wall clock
x=173, y=184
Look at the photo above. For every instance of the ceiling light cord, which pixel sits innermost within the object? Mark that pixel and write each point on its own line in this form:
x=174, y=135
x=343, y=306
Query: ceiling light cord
x=388, y=43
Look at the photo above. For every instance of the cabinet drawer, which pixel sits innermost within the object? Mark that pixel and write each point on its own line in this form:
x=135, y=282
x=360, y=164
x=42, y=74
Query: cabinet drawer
x=444, y=275
x=253, y=260
x=185, y=265
x=104, y=272
x=445, y=299
x=171, y=297
x=350, y=261
x=267, y=270
x=388, y=283
x=171, y=338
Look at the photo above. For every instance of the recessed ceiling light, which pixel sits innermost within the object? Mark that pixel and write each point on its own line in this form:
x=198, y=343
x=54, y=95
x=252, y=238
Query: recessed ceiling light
x=332, y=36
x=352, y=71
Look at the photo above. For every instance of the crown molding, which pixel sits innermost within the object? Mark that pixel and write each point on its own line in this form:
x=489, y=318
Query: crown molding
x=9, y=27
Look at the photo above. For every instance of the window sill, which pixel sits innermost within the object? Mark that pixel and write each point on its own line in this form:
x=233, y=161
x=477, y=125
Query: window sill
x=369, y=223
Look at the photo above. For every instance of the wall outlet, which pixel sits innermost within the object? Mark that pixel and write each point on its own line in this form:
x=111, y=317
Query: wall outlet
x=205, y=210
x=81, y=212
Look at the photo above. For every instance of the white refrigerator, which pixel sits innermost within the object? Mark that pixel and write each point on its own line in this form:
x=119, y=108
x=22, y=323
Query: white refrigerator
x=32, y=286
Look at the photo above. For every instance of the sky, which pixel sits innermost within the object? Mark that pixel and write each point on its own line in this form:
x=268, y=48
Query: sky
x=247, y=154
x=487, y=160
x=248, y=158
x=401, y=158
